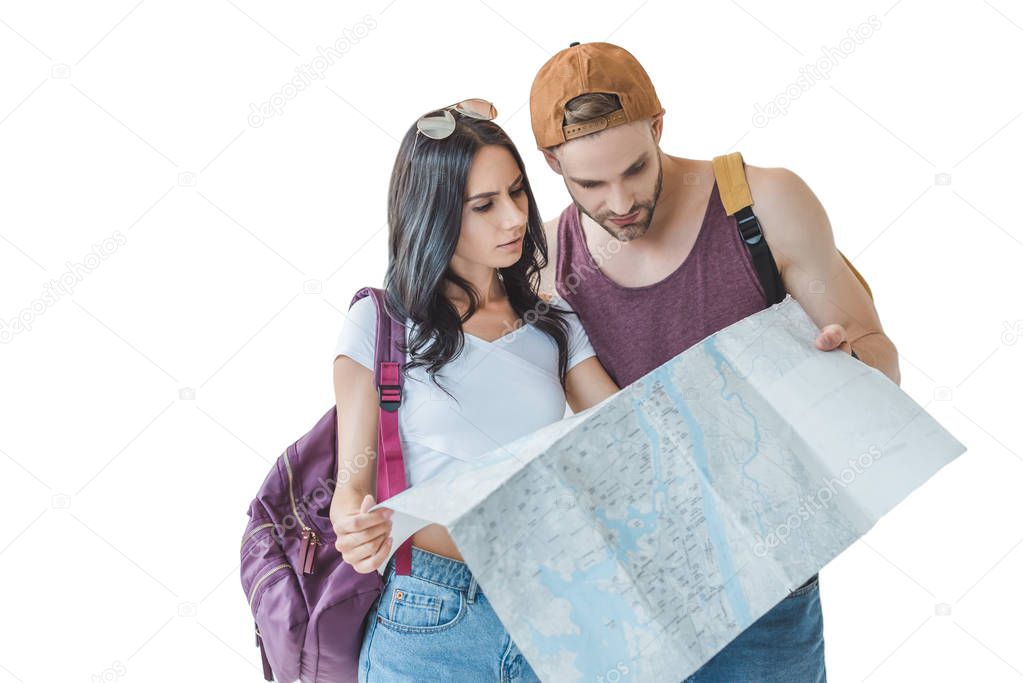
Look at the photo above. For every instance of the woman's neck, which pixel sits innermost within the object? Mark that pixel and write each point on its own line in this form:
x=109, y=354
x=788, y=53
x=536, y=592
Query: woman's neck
x=489, y=289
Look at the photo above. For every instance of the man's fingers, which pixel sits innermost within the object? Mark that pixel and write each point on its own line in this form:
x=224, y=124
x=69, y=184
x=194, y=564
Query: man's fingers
x=830, y=337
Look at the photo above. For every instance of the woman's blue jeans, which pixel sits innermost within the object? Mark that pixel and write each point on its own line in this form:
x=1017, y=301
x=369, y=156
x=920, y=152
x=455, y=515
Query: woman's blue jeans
x=436, y=625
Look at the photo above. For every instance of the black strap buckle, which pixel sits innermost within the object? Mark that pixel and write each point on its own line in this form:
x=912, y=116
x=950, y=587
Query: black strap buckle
x=749, y=226
x=392, y=400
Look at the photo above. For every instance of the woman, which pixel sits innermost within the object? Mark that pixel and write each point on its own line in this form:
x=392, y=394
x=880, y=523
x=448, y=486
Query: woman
x=488, y=360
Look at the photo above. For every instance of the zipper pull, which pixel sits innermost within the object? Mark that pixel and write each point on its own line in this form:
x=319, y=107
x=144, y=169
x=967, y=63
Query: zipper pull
x=307, y=550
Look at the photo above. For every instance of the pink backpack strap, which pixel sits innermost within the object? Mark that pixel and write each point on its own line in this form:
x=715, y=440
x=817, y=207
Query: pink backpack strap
x=389, y=380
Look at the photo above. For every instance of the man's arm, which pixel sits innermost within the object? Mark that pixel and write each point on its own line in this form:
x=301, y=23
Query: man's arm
x=798, y=231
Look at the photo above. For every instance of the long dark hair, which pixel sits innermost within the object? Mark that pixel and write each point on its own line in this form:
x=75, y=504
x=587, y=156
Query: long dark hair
x=424, y=214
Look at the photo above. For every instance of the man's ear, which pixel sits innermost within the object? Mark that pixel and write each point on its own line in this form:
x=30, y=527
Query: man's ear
x=657, y=125
x=552, y=160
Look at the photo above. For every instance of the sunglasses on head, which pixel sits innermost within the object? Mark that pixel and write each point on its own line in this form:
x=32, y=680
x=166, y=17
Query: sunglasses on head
x=438, y=126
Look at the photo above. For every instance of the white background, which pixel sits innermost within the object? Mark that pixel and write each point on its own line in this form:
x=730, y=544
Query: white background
x=124, y=495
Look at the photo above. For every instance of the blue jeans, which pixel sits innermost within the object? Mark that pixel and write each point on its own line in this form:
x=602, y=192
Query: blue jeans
x=436, y=625
x=786, y=645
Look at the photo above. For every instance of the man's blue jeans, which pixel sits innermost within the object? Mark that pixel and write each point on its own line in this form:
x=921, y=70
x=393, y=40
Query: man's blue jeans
x=786, y=645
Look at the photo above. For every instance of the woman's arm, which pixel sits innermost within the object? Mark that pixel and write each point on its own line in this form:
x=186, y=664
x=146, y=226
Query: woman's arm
x=357, y=424
x=587, y=384
x=363, y=537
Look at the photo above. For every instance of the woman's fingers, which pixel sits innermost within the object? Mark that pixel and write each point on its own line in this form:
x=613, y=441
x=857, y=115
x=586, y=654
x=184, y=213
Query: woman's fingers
x=357, y=554
x=358, y=521
x=378, y=557
x=364, y=536
x=375, y=557
x=346, y=542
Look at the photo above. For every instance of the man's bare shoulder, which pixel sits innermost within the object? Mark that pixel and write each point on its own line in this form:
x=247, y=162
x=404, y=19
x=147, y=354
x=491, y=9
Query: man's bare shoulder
x=549, y=272
x=780, y=199
x=772, y=185
x=791, y=216
x=550, y=227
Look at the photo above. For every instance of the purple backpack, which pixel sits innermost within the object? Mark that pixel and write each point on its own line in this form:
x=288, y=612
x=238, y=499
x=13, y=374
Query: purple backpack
x=309, y=605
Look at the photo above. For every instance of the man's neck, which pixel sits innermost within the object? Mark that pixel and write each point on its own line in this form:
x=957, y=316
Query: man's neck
x=676, y=195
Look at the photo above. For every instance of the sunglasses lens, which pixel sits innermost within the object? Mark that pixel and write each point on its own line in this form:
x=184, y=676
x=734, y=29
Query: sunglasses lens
x=438, y=126
x=477, y=108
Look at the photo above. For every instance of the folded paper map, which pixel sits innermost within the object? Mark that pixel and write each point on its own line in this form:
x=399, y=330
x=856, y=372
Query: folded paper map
x=635, y=539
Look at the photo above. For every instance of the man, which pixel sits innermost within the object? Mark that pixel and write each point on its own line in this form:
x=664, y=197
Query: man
x=651, y=262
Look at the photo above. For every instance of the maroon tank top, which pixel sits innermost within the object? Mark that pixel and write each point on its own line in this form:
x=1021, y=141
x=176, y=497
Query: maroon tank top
x=635, y=329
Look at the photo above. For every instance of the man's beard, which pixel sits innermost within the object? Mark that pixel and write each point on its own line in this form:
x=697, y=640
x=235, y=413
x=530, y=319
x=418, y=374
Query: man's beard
x=635, y=230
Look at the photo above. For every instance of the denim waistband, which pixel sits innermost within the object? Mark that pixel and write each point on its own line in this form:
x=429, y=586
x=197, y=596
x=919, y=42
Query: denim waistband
x=445, y=571
x=448, y=571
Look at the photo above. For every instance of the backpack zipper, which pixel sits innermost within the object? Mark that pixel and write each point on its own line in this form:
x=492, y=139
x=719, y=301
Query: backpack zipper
x=307, y=550
x=252, y=533
x=272, y=570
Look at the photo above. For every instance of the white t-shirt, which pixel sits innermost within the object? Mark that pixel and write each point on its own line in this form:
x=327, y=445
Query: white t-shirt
x=504, y=389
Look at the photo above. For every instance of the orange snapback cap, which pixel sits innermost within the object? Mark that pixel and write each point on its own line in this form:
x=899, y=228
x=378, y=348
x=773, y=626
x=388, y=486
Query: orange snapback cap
x=586, y=68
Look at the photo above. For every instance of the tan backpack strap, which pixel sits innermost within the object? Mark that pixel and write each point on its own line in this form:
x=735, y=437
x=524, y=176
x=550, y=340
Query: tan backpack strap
x=732, y=186
x=734, y=192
